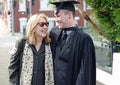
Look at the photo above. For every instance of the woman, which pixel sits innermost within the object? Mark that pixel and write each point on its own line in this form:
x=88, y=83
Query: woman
x=31, y=59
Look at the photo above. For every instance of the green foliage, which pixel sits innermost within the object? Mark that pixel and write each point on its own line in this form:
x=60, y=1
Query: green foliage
x=108, y=17
x=20, y=1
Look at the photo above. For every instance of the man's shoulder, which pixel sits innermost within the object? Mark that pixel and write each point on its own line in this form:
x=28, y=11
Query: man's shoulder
x=82, y=34
x=80, y=31
x=55, y=29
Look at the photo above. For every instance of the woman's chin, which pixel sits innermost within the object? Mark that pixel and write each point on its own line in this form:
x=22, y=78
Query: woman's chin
x=43, y=35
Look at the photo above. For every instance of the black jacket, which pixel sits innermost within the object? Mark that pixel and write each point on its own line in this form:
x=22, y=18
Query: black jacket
x=38, y=76
x=15, y=62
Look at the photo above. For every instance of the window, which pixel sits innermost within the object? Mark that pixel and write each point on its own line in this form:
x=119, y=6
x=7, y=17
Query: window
x=22, y=5
x=76, y=20
x=51, y=23
x=44, y=5
x=23, y=22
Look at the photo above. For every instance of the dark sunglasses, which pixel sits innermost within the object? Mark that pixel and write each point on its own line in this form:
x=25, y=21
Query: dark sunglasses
x=41, y=24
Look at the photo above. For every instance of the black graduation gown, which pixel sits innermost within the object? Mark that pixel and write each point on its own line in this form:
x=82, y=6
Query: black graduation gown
x=79, y=54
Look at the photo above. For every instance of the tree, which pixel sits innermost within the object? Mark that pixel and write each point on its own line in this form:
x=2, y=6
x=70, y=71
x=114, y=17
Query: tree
x=107, y=14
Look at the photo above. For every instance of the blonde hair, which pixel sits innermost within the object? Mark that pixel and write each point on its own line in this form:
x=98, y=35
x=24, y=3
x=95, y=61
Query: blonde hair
x=32, y=22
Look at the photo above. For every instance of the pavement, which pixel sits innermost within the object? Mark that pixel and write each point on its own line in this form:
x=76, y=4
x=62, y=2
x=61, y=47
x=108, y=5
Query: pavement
x=6, y=44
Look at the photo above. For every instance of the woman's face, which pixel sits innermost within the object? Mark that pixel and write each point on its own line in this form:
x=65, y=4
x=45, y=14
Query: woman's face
x=41, y=28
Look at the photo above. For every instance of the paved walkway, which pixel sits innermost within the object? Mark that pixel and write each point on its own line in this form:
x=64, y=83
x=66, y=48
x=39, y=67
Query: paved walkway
x=3, y=27
x=98, y=83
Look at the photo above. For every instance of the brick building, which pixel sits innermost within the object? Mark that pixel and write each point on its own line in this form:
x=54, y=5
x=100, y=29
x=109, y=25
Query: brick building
x=20, y=11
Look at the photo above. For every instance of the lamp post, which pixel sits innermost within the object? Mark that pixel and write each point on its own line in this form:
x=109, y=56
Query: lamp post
x=24, y=30
x=30, y=7
x=12, y=15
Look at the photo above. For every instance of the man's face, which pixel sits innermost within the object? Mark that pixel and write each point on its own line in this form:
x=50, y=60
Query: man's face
x=62, y=19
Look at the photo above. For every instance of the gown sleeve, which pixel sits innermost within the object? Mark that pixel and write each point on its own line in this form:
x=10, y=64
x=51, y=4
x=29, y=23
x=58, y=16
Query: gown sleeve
x=87, y=70
x=54, y=33
x=14, y=63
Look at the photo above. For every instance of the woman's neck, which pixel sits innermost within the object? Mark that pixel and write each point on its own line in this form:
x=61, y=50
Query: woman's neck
x=38, y=44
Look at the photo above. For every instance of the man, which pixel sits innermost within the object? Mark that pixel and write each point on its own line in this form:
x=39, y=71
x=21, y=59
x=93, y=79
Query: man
x=74, y=61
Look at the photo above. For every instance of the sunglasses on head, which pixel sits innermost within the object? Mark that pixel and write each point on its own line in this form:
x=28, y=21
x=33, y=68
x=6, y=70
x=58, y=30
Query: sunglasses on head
x=41, y=24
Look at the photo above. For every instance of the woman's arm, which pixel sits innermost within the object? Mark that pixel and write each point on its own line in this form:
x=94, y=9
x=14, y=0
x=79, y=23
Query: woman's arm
x=14, y=65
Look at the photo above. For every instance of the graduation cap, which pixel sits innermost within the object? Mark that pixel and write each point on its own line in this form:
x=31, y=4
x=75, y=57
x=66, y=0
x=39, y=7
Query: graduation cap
x=68, y=5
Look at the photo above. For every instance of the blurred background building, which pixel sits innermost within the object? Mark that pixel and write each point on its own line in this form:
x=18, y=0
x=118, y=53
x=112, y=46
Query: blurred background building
x=20, y=11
